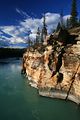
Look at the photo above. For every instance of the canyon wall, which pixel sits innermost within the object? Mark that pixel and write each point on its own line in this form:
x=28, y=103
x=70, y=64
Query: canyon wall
x=54, y=68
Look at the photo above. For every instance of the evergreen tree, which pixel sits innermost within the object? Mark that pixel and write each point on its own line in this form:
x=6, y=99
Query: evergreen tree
x=68, y=23
x=58, y=27
x=61, y=20
x=44, y=30
x=38, y=37
x=78, y=21
x=60, y=23
x=29, y=41
x=74, y=14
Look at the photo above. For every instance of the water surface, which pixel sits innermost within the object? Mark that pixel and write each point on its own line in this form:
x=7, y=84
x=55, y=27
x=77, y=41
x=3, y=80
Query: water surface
x=19, y=101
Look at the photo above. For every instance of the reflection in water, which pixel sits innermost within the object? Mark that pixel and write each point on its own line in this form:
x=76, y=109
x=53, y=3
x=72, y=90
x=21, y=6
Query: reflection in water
x=14, y=67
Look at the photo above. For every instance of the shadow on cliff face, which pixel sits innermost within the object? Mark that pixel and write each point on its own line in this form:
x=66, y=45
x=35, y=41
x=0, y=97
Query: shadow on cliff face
x=56, y=58
x=59, y=42
x=58, y=65
x=62, y=36
x=59, y=62
x=65, y=37
x=59, y=78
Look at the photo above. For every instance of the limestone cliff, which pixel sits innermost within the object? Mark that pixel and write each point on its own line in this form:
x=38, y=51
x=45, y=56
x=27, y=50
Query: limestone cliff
x=55, y=66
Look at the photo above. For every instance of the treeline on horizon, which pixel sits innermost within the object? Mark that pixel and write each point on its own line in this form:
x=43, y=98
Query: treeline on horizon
x=11, y=52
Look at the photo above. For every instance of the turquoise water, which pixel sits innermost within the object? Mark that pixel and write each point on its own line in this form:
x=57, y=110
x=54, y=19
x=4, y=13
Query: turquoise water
x=19, y=101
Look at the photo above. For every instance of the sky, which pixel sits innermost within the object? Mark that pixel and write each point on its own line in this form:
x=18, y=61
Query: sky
x=20, y=18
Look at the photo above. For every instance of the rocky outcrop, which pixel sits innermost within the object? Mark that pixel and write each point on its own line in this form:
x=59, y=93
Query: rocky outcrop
x=54, y=69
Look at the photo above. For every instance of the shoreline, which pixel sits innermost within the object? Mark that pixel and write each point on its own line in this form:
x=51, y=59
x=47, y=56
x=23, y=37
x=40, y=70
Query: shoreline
x=31, y=82
x=59, y=95
x=55, y=94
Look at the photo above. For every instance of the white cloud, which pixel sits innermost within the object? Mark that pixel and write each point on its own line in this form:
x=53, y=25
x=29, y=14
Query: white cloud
x=31, y=24
x=15, y=40
x=22, y=13
x=33, y=36
x=52, y=20
x=19, y=33
x=11, y=30
x=66, y=17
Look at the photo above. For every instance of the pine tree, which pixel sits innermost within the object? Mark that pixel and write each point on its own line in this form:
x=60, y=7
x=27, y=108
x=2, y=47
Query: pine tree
x=68, y=23
x=61, y=20
x=38, y=36
x=74, y=14
x=44, y=30
x=29, y=41
x=79, y=22
x=58, y=27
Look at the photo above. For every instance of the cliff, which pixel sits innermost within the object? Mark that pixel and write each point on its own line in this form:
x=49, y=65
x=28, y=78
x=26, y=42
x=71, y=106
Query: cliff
x=54, y=67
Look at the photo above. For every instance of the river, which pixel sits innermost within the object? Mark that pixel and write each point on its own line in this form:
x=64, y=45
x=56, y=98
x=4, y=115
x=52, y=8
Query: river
x=19, y=101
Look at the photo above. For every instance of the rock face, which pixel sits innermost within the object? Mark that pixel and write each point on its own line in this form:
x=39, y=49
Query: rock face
x=36, y=67
x=55, y=71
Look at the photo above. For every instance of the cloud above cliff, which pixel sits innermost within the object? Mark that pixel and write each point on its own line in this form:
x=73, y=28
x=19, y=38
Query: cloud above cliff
x=22, y=13
x=19, y=33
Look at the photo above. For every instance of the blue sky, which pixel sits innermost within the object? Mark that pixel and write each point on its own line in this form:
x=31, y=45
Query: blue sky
x=34, y=8
x=18, y=17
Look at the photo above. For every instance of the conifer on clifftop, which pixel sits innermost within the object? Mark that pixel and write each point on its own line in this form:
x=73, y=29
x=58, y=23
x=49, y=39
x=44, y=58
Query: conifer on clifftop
x=74, y=13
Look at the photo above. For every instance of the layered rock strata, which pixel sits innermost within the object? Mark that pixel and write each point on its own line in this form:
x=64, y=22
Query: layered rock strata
x=55, y=71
